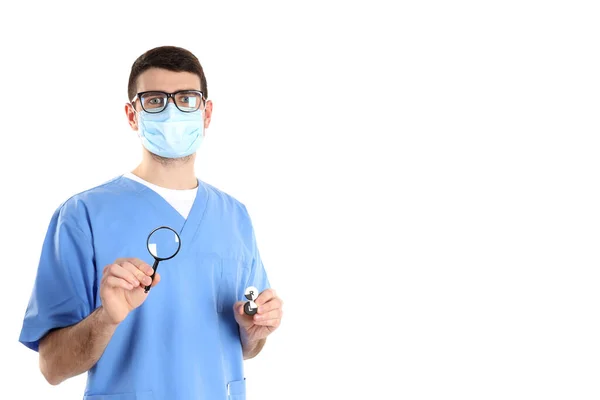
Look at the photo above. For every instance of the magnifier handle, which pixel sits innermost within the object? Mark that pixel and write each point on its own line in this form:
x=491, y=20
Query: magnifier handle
x=154, y=267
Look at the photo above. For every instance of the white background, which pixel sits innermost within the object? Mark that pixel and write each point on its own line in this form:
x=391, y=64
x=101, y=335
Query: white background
x=422, y=176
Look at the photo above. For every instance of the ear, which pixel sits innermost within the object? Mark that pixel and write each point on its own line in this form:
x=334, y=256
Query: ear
x=131, y=116
x=207, y=113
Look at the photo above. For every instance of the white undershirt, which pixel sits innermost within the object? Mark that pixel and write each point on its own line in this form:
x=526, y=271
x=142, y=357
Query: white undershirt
x=181, y=200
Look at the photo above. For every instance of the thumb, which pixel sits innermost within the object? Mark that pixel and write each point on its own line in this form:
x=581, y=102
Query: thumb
x=238, y=307
x=156, y=279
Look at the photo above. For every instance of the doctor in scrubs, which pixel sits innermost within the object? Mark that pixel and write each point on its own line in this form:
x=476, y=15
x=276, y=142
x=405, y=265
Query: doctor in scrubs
x=187, y=337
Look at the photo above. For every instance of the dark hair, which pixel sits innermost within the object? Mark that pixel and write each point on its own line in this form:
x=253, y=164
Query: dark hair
x=166, y=57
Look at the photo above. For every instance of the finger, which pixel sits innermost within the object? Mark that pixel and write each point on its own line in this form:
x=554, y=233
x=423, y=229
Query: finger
x=270, y=305
x=265, y=296
x=114, y=282
x=140, y=276
x=270, y=322
x=120, y=272
x=275, y=314
x=139, y=264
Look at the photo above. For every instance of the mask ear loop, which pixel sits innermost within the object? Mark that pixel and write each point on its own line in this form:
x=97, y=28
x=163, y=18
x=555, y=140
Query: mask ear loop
x=203, y=112
x=137, y=119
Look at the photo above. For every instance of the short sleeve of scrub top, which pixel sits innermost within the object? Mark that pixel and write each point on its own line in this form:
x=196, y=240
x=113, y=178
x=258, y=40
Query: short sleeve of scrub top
x=258, y=275
x=62, y=292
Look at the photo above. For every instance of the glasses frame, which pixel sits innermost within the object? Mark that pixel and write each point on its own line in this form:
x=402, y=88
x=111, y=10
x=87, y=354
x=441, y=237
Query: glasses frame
x=139, y=95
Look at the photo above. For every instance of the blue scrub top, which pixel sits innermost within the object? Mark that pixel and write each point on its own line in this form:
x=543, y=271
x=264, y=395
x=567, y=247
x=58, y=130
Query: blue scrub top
x=183, y=342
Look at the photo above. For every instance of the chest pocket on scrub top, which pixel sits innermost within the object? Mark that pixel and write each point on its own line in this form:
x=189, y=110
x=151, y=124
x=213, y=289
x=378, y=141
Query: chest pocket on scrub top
x=232, y=271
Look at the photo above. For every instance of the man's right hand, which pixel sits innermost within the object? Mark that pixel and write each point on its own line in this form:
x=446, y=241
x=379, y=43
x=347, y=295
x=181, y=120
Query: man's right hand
x=122, y=287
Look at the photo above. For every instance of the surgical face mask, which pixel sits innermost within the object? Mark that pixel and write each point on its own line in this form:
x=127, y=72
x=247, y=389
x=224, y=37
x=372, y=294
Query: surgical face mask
x=171, y=133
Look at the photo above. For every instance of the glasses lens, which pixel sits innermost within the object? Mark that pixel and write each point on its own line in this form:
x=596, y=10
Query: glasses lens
x=153, y=102
x=189, y=101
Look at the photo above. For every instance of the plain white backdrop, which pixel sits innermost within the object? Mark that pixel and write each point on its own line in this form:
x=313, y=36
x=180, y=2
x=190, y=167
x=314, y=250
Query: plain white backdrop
x=422, y=176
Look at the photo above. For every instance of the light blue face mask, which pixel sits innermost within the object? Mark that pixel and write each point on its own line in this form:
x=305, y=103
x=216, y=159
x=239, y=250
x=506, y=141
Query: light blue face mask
x=171, y=133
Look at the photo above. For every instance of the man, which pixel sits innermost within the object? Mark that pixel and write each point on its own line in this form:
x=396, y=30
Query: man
x=186, y=338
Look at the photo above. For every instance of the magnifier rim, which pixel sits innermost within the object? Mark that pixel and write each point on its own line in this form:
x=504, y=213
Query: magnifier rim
x=178, y=242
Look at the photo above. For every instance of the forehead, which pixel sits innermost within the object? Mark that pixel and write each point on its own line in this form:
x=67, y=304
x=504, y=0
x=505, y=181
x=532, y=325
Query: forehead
x=167, y=81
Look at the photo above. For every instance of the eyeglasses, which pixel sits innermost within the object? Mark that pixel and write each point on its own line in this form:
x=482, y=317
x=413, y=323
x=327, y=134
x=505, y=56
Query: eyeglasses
x=185, y=100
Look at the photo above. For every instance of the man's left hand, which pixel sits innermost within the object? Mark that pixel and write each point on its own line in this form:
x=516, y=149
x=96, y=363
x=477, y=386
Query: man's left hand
x=254, y=328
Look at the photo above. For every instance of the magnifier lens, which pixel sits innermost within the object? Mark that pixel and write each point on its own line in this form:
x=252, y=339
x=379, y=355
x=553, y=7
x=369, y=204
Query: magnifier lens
x=163, y=243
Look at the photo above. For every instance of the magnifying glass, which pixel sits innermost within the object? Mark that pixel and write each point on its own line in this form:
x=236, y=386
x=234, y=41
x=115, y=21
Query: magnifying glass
x=163, y=243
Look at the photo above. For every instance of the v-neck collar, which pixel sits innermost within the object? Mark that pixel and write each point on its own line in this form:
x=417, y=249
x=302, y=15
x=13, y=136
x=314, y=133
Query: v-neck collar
x=186, y=228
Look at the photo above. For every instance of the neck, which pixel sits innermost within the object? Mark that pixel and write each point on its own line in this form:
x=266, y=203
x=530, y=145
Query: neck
x=171, y=174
